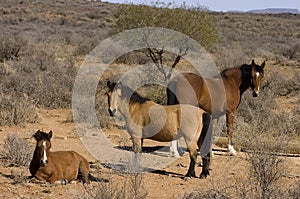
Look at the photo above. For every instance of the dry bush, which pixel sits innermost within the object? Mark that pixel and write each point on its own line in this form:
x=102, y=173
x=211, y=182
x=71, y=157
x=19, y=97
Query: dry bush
x=9, y=48
x=131, y=186
x=209, y=194
x=17, y=110
x=18, y=177
x=16, y=151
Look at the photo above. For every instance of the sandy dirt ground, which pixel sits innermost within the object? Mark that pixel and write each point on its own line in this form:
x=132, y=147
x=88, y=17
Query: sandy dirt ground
x=227, y=172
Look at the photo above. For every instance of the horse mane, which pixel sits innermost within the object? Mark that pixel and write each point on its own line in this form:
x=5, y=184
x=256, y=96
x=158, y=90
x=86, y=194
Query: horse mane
x=130, y=95
x=245, y=69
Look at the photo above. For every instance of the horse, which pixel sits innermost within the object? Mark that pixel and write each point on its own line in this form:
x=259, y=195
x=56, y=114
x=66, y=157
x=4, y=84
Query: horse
x=59, y=167
x=147, y=120
x=209, y=95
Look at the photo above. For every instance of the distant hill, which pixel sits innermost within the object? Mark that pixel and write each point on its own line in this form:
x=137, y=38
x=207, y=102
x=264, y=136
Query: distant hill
x=276, y=11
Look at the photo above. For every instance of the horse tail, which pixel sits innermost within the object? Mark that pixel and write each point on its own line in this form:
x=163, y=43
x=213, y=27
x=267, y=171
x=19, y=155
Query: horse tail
x=96, y=179
x=171, y=96
x=84, y=168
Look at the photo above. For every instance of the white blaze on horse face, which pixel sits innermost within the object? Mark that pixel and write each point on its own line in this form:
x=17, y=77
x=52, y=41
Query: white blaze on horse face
x=258, y=86
x=45, y=155
x=115, y=99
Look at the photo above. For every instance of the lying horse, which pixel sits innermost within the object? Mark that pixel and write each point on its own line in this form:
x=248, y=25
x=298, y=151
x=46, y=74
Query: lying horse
x=208, y=94
x=148, y=120
x=57, y=167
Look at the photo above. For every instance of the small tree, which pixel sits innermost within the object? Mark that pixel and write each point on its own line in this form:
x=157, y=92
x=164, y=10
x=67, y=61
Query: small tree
x=194, y=22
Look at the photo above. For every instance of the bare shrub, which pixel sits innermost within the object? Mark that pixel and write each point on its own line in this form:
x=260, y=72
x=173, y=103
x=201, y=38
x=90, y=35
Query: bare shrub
x=210, y=194
x=128, y=188
x=16, y=151
x=9, y=48
x=266, y=167
x=17, y=110
x=18, y=177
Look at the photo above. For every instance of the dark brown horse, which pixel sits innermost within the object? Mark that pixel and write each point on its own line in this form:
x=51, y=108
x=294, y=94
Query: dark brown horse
x=208, y=94
x=57, y=167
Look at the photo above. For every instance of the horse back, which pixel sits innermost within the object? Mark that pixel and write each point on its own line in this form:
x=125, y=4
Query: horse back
x=68, y=158
x=208, y=94
x=191, y=89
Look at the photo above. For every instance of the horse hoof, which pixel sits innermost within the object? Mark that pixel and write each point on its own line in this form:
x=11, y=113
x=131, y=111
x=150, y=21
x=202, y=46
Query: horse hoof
x=176, y=155
x=203, y=175
x=231, y=150
x=186, y=178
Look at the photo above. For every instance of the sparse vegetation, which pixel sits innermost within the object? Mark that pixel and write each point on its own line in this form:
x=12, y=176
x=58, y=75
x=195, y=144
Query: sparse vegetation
x=15, y=151
x=42, y=45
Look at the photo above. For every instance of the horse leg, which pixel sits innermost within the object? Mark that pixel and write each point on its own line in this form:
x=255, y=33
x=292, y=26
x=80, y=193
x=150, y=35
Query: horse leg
x=206, y=164
x=174, y=148
x=137, y=144
x=54, y=179
x=205, y=139
x=229, y=121
x=204, y=144
x=193, y=157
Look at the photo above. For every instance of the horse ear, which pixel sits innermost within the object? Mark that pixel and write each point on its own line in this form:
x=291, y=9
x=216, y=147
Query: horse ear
x=253, y=63
x=263, y=65
x=50, y=134
x=36, y=135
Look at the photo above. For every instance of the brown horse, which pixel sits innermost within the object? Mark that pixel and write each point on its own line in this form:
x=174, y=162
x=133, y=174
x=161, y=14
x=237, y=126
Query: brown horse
x=208, y=94
x=148, y=120
x=57, y=167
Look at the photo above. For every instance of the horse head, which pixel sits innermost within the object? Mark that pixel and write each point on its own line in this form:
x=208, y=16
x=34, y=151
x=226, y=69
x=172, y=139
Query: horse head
x=113, y=95
x=257, y=74
x=43, y=146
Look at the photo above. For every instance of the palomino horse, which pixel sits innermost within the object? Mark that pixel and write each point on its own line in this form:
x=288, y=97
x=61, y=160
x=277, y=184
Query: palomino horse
x=57, y=167
x=148, y=120
x=208, y=94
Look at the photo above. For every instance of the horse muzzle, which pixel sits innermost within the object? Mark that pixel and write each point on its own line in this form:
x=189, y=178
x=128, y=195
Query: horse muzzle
x=112, y=112
x=43, y=163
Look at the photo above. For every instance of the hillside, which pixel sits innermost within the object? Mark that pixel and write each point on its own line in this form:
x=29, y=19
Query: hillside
x=276, y=11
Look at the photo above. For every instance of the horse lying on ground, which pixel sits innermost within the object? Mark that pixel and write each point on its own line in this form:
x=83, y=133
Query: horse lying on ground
x=217, y=96
x=148, y=120
x=58, y=167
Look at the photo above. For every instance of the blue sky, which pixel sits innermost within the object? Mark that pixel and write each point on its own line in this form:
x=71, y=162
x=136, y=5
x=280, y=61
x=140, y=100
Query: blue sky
x=225, y=5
